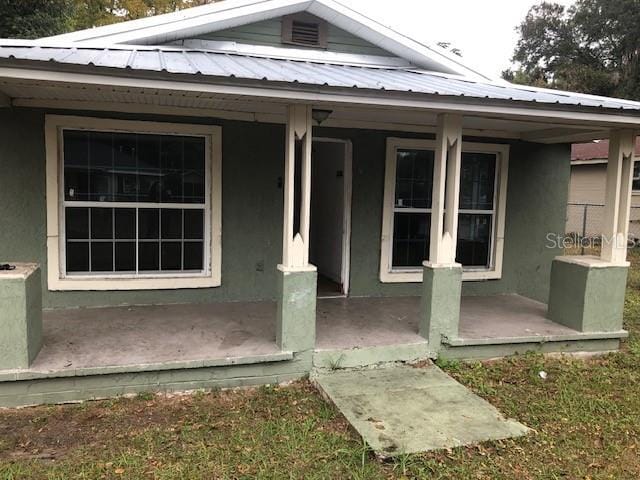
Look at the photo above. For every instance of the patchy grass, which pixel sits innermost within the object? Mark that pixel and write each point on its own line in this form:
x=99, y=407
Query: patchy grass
x=586, y=415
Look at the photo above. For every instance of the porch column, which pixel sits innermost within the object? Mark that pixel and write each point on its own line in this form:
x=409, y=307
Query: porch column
x=618, y=196
x=296, y=315
x=20, y=316
x=587, y=293
x=442, y=276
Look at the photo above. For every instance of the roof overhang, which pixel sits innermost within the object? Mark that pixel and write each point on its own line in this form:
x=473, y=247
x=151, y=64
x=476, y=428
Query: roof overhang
x=537, y=123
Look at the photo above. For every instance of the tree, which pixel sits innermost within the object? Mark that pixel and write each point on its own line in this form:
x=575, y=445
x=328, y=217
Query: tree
x=35, y=18
x=43, y=18
x=94, y=13
x=591, y=47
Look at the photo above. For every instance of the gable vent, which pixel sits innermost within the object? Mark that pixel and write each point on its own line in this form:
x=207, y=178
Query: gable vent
x=305, y=33
x=304, y=30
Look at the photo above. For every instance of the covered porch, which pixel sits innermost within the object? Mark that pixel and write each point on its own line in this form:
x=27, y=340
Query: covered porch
x=220, y=330
x=80, y=342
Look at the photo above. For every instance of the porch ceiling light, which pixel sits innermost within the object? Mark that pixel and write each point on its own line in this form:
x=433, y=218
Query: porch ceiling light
x=320, y=115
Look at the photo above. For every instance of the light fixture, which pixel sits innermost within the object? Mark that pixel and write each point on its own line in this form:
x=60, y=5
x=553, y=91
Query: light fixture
x=320, y=115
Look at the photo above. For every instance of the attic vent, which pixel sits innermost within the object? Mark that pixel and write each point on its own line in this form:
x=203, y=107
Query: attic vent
x=304, y=30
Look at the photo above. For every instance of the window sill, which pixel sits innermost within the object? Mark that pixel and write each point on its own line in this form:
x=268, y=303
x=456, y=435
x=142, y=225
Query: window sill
x=115, y=284
x=415, y=276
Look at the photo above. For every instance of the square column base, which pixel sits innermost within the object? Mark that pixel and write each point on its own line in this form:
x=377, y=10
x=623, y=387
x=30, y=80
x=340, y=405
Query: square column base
x=296, y=317
x=587, y=293
x=440, y=309
x=20, y=317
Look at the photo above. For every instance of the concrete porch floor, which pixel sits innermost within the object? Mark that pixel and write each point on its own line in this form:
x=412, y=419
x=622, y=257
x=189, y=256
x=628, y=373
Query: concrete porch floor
x=122, y=336
x=363, y=322
x=119, y=336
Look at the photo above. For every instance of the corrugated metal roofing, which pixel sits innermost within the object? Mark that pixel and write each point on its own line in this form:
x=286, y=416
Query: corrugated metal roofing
x=252, y=67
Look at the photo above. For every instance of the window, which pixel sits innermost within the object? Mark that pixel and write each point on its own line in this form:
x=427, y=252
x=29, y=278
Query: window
x=407, y=209
x=304, y=30
x=137, y=202
x=636, y=176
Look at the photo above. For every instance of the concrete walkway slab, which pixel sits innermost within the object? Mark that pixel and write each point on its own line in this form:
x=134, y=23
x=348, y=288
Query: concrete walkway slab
x=403, y=409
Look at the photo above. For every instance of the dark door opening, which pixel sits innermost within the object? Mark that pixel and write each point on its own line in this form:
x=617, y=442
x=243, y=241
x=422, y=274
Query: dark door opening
x=328, y=247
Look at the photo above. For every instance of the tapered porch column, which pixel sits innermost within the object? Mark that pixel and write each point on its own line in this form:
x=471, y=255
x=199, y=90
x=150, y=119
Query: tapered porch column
x=618, y=196
x=587, y=293
x=442, y=276
x=297, y=278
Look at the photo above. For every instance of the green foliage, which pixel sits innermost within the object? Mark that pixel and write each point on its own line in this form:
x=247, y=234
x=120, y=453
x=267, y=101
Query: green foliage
x=94, y=13
x=42, y=18
x=591, y=47
x=35, y=18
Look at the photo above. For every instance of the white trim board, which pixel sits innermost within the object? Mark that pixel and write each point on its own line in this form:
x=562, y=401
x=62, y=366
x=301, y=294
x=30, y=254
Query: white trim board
x=292, y=53
x=387, y=273
x=257, y=116
x=57, y=280
x=375, y=99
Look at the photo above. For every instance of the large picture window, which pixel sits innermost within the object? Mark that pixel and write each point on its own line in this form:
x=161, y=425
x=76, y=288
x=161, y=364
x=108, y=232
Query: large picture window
x=138, y=202
x=407, y=217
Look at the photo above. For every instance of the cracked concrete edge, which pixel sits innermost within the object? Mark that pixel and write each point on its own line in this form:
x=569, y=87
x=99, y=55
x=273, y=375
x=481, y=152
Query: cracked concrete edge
x=366, y=356
x=17, y=375
x=91, y=387
x=492, y=351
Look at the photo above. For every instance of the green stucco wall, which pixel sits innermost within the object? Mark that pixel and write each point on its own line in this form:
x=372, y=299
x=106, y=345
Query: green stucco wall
x=296, y=317
x=20, y=319
x=587, y=299
x=251, y=210
x=441, y=291
x=253, y=156
x=536, y=204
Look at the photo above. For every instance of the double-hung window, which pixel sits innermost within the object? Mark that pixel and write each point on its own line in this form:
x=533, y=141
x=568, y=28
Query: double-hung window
x=636, y=177
x=138, y=204
x=408, y=201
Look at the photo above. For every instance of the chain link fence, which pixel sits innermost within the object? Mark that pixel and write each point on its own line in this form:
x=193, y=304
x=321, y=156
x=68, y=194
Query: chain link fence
x=585, y=223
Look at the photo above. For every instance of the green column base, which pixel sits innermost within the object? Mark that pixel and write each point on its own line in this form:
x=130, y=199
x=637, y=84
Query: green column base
x=441, y=295
x=20, y=316
x=296, y=317
x=587, y=294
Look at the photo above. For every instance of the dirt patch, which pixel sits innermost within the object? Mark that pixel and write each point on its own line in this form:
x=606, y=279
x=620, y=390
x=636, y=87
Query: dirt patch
x=52, y=432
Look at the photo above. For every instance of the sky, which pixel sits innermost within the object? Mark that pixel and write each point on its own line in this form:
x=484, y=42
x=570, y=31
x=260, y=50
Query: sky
x=484, y=30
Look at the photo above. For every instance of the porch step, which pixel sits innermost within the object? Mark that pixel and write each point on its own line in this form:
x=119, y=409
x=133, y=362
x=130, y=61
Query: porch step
x=334, y=359
x=487, y=348
x=34, y=387
x=404, y=409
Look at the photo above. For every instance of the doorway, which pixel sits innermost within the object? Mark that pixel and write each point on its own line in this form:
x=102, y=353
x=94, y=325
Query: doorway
x=330, y=229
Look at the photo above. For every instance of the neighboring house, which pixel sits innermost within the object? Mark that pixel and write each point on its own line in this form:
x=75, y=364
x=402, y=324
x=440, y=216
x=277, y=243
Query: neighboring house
x=585, y=214
x=254, y=188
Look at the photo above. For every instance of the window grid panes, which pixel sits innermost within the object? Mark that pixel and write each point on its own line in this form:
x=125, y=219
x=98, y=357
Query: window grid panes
x=134, y=204
x=412, y=209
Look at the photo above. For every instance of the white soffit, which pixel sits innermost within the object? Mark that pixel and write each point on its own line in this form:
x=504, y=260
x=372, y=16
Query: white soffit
x=149, y=100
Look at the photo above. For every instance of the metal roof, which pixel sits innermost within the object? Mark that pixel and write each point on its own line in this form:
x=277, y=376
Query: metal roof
x=252, y=67
x=196, y=21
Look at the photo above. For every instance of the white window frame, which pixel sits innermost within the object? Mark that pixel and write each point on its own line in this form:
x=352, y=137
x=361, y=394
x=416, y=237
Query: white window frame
x=388, y=274
x=636, y=161
x=212, y=259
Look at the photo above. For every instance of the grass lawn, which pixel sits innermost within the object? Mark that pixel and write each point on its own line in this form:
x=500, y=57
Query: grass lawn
x=586, y=415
